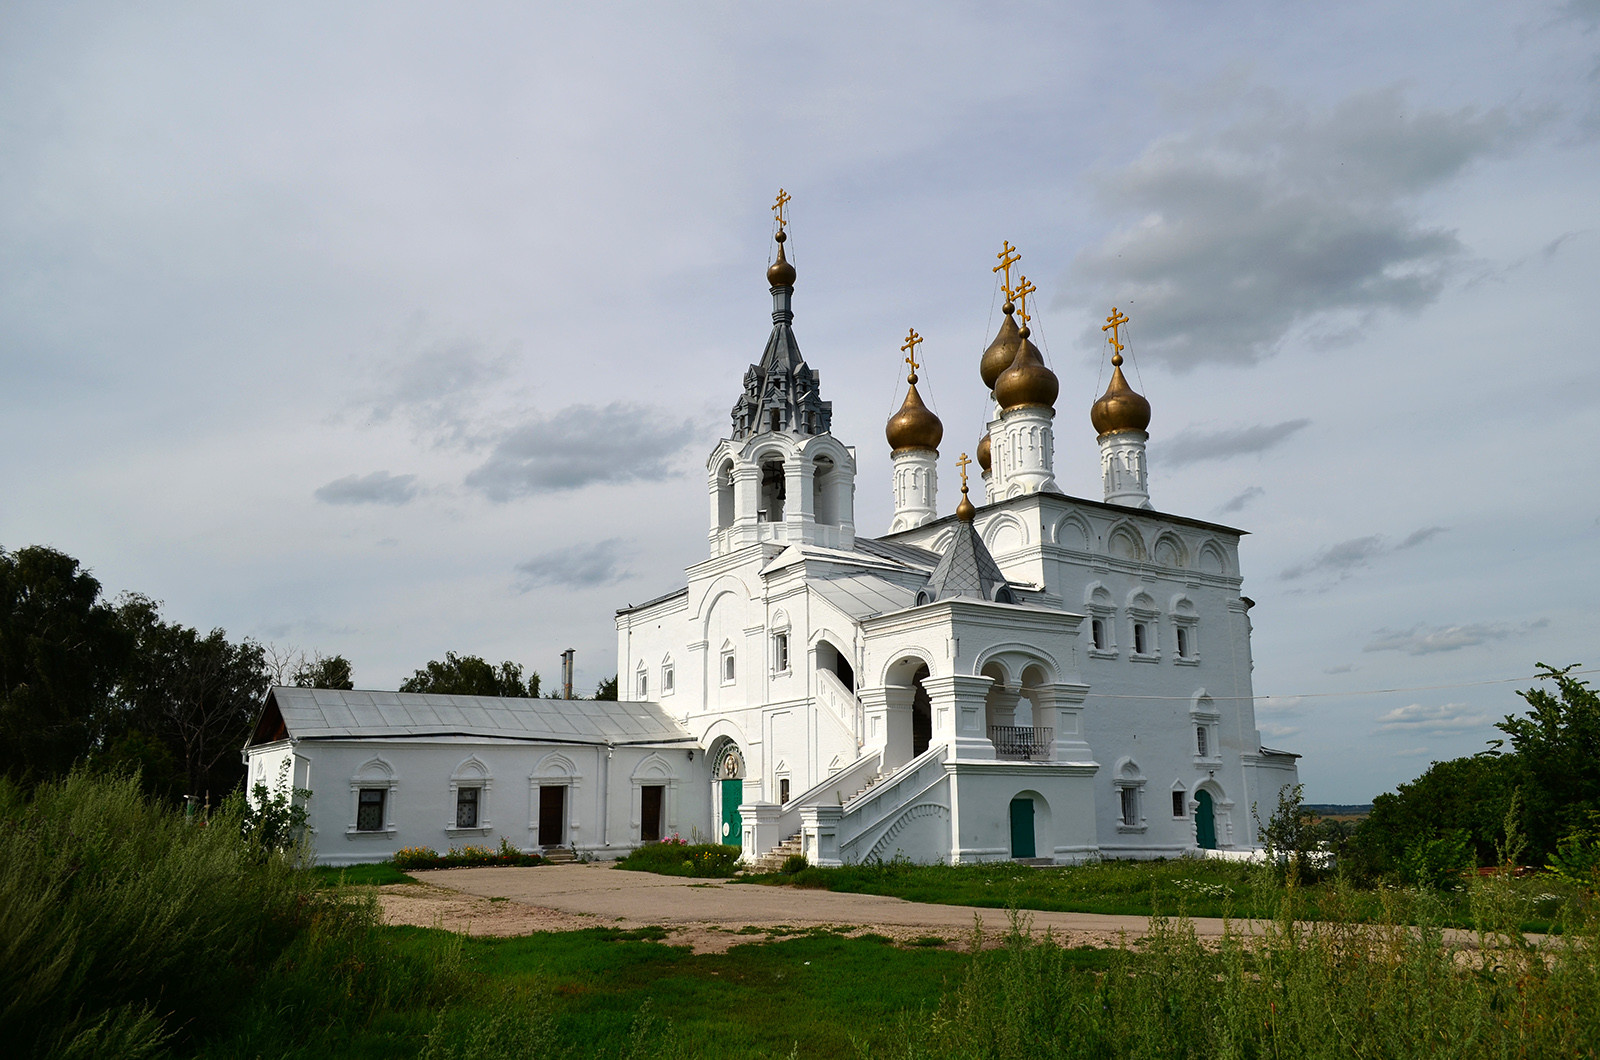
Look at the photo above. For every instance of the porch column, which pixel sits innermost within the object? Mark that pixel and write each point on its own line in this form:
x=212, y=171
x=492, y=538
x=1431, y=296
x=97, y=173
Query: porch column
x=888, y=718
x=1060, y=706
x=958, y=714
x=760, y=829
x=819, y=834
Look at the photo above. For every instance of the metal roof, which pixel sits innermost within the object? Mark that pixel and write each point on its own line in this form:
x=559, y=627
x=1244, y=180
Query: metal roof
x=863, y=595
x=323, y=714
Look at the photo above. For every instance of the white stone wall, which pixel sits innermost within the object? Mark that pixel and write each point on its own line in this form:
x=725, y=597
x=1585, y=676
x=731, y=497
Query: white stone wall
x=603, y=800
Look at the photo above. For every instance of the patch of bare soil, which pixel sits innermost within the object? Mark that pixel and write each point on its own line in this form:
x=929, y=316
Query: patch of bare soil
x=425, y=905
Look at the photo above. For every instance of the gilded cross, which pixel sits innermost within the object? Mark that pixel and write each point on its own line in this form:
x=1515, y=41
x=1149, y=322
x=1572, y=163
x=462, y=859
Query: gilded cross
x=781, y=208
x=962, y=463
x=1114, y=322
x=910, y=348
x=1024, y=289
x=1008, y=257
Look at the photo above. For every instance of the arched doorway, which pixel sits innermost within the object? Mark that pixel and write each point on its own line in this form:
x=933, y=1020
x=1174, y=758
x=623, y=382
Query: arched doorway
x=1022, y=833
x=727, y=773
x=907, y=674
x=1205, y=821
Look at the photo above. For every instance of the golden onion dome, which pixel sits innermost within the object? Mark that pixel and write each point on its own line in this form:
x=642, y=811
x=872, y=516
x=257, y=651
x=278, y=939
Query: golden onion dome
x=780, y=273
x=914, y=426
x=983, y=452
x=1002, y=351
x=1120, y=408
x=965, y=511
x=1027, y=382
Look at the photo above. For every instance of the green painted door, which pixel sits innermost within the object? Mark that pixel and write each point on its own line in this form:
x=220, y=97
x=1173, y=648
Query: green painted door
x=1205, y=821
x=1022, y=828
x=732, y=823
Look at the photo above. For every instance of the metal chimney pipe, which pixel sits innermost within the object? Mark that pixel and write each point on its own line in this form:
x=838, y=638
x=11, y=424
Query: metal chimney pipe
x=566, y=672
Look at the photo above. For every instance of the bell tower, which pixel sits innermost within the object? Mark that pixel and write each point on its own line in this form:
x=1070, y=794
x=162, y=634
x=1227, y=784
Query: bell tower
x=781, y=476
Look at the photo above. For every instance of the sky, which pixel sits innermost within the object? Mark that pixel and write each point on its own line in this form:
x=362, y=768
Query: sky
x=395, y=329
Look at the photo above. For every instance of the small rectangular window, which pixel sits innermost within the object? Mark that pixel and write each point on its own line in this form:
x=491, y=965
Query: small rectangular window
x=727, y=668
x=1097, y=629
x=467, y=807
x=783, y=789
x=1130, y=805
x=1183, y=642
x=666, y=679
x=1139, y=639
x=369, y=810
x=1177, y=804
x=644, y=685
x=780, y=652
x=1200, y=740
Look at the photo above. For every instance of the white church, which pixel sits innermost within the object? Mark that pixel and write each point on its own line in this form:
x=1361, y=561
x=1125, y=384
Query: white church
x=1041, y=677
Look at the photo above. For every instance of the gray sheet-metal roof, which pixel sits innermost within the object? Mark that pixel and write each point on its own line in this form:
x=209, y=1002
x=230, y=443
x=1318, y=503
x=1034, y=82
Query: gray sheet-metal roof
x=322, y=713
x=910, y=555
x=864, y=595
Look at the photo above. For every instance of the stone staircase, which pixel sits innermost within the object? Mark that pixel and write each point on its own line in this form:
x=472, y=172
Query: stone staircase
x=773, y=859
x=558, y=855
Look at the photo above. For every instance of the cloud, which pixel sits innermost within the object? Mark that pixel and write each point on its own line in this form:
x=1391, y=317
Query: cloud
x=1286, y=221
x=380, y=487
x=1441, y=720
x=1417, y=537
x=1192, y=446
x=1429, y=640
x=1341, y=668
x=581, y=445
x=437, y=384
x=1238, y=502
x=576, y=567
x=1338, y=559
x=1278, y=704
x=1272, y=731
x=1358, y=552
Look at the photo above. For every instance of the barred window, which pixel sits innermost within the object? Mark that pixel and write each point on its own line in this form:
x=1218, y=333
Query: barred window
x=369, y=810
x=467, y=807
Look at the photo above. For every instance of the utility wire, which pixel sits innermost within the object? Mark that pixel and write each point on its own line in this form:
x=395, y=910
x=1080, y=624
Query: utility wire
x=1347, y=695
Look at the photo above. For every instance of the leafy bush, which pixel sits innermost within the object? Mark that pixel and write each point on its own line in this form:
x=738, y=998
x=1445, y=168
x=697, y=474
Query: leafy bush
x=674, y=857
x=412, y=858
x=1438, y=864
x=794, y=863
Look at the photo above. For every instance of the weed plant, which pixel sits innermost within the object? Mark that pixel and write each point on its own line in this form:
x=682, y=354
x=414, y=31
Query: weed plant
x=671, y=858
x=409, y=859
x=121, y=925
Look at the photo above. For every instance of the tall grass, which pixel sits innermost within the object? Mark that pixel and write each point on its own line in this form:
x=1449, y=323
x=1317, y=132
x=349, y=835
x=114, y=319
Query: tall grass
x=1292, y=989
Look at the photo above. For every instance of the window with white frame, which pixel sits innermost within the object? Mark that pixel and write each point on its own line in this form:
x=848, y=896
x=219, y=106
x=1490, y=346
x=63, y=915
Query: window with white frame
x=1142, y=617
x=1203, y=718
x=369, y=809
x=1141, y=638
x=469, y=791
x=1180, y=803
x=728, y=670
x=780, y=652
x=1102, y=622
x=1185, y=631
x=1129, y=785
x=668, y=678
x=467, y=802
x=642, y=682
x=1201, y=747
x=1097, y=630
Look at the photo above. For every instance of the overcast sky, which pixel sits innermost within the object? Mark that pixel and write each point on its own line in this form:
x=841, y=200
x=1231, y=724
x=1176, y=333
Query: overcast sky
x=391, y=329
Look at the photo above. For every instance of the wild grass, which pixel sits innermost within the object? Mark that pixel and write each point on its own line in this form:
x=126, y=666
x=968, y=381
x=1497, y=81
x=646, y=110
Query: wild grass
x=379, y=874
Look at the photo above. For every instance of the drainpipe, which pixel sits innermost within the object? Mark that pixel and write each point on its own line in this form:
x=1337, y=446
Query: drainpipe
x=605, y=795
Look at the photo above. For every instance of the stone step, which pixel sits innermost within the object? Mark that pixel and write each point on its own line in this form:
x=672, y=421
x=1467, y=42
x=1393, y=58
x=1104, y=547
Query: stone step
x=558, y=855
x=773, y=859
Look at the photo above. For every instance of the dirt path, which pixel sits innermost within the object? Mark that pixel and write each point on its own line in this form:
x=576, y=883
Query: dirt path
x=709, y=915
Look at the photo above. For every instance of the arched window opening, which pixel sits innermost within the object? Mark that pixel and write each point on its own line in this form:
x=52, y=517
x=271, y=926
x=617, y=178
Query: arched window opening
x=921, y=714
x=772, y=490
x=725, y=495
x=824, y=501
x=830, y=658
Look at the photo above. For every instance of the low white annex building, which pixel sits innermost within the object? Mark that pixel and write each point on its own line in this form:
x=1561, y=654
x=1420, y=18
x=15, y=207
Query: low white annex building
x=1040, y=677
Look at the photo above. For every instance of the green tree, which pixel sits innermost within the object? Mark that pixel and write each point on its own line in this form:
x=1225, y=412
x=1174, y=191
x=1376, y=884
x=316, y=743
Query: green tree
x=607, y=689
x=469, y=675
x=61, y=649
x=1462, y=798
x=198, y=694
x=1556, y=760
x=324, y=671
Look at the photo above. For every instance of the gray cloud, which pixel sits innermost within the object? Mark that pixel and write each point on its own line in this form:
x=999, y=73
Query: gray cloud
x=1340, y=668
x=1429, y=640
x=1338, y=559
x=380, y=487
x=576, y=567
x=1417, y=537
x=1287, y=221
x=1192, y=446
x=437, y=384
x=581, y=445
x=1237, y=503
x=1358, y=552
x=1441, y=720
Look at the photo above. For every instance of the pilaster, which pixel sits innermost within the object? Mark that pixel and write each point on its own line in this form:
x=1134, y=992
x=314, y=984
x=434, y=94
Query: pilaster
x=958, y=714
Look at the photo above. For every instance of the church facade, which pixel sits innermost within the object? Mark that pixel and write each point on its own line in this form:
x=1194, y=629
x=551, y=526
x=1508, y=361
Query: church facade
x=1040, y=677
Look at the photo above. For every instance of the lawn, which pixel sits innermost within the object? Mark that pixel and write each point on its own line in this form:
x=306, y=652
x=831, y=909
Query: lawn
x=1191, y=886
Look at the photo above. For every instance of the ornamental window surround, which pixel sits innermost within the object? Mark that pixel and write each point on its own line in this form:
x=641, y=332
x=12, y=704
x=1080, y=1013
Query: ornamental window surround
x=728, y=667
x=1185, y=631
x=1203, y=720
x=1128, y=783
x=668, y=677
x=1142, y=622
x=469, y=794
x=372, y=800
x=1102, y=622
